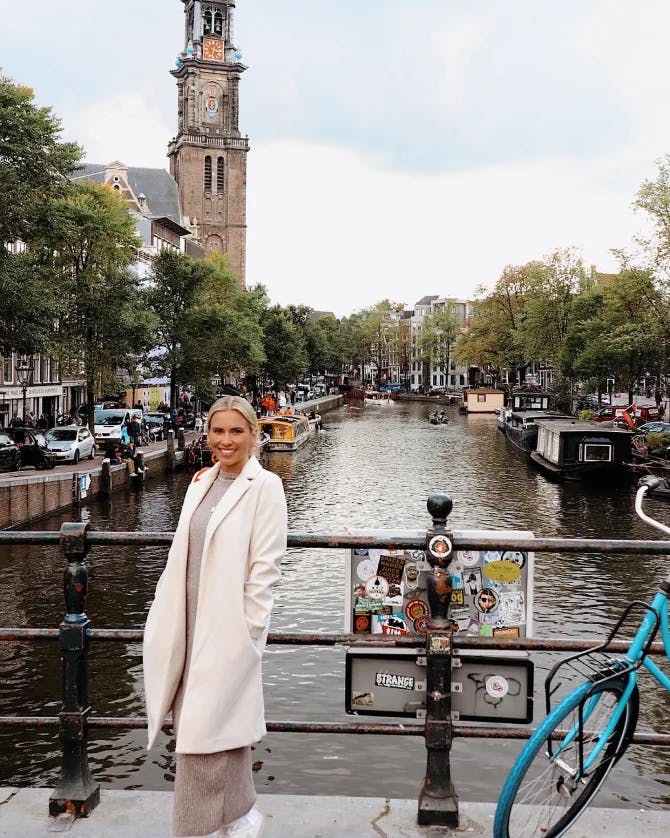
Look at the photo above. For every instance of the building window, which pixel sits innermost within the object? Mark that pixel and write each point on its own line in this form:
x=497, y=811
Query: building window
x=219, y=175
x=462, y=378
x=208, y=174
x=8, y=370
x=213, y=23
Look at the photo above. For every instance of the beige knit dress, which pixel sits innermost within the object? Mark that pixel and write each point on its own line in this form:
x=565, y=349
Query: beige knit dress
x=210, y=789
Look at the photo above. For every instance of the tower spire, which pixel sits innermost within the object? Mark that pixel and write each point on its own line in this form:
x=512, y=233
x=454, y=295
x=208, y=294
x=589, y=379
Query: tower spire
x=208, y=155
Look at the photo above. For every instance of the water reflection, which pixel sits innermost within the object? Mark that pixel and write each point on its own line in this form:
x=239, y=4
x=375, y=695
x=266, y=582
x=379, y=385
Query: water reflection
x=370, y=468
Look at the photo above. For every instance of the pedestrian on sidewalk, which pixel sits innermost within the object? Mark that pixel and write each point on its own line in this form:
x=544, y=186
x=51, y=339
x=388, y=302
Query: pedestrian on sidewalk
x=135, y=432
x=207, y=627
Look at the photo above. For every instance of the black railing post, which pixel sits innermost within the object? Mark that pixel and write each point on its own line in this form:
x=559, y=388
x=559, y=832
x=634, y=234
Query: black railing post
x=76, y=793
x=438, y=801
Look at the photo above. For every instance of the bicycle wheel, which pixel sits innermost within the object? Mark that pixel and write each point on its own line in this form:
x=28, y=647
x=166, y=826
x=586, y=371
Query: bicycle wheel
x=541, y=795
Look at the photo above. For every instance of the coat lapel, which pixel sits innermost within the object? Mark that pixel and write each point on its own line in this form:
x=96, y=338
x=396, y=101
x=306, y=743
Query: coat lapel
x=240, y=485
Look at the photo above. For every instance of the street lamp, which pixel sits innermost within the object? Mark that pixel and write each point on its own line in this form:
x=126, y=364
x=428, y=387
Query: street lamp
x=24, y=374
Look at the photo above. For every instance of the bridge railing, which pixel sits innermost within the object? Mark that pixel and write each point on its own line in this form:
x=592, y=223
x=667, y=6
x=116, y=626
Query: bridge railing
x=78, y=793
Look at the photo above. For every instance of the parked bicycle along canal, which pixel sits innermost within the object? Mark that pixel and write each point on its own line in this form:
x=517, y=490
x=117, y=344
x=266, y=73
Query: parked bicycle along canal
x=369, y=468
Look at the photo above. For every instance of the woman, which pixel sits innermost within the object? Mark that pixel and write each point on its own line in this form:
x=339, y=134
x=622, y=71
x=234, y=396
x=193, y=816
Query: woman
x=207, y=626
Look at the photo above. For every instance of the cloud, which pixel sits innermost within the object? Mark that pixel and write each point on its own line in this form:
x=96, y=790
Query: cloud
x=337, y=231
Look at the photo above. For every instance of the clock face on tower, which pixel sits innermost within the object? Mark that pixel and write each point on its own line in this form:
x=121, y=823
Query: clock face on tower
x=212, y=49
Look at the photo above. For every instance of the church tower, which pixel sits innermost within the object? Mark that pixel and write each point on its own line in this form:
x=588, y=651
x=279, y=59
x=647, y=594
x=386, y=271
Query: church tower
x=208, y=157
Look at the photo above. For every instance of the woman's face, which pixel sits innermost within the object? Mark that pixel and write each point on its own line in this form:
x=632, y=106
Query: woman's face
x=231, y=439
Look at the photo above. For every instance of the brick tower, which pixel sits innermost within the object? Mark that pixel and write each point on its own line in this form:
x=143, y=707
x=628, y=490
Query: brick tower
x=208, y=157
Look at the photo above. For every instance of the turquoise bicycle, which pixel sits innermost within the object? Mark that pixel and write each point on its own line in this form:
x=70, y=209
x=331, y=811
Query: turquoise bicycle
x=570, y=755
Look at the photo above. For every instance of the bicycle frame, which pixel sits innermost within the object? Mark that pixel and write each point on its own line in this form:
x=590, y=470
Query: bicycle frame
x=636, y=656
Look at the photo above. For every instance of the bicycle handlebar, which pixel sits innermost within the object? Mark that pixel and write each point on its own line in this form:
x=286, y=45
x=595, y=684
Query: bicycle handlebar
x=647, y=483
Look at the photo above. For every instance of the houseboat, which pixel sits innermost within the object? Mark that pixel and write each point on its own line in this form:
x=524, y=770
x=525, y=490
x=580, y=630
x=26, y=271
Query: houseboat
x=482, y=401
x=286, y=432
x=524, y=400
x=570, y=449
x=199, y=455
x=521, y=429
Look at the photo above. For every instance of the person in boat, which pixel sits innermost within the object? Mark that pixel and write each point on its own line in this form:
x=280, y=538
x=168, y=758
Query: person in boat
x=433, y=418
x=441, y=417
x=207, y=627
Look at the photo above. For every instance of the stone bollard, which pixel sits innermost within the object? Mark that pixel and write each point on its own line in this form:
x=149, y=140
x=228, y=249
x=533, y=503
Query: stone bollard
x=169, y=454
x=140, y=468
x=106, y=478
x=438, y=801
x=76, y=793
x=181, y=440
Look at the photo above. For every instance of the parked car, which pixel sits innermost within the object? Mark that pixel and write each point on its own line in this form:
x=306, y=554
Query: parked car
x=33, y=447
x=156, y=425
x=654, y=428
x=10, y=456
x=639, y=415
x=71, y=443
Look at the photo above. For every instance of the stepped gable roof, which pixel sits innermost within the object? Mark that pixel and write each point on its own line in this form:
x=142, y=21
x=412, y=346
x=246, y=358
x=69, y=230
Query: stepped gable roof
x=157, y=185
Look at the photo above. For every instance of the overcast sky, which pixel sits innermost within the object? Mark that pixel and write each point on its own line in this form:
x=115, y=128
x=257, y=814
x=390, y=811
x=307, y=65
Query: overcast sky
x=398, y=147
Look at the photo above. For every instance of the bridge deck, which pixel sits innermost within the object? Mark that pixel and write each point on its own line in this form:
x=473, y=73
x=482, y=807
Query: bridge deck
x=146, y=814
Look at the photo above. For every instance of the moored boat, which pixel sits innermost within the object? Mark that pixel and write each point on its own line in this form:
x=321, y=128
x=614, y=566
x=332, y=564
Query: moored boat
x=374, y=397
x=287, y=432
x=521, y=429
x=571, y=449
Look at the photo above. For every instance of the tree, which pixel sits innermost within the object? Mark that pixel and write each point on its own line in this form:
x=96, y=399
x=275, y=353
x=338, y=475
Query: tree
x=436, y=338
x=285, y=355
x=34, y=166
x=492, y=340
x=87, y=243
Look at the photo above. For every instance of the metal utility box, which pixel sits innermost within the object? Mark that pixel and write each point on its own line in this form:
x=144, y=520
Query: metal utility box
x=484, y=687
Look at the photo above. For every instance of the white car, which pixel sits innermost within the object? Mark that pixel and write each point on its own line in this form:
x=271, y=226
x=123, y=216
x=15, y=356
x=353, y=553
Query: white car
x=70, y=443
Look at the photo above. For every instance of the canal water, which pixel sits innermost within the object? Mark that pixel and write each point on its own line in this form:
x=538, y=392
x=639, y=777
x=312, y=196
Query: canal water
x=371, y=467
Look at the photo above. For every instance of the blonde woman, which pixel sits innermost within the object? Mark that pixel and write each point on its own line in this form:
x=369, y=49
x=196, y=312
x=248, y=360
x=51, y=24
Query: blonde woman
x=207, y=627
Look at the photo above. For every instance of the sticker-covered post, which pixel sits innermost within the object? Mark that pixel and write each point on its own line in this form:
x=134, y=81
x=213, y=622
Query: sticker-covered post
x=438, y=801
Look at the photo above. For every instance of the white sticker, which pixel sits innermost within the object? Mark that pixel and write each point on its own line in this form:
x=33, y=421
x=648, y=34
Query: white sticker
x=497, y=686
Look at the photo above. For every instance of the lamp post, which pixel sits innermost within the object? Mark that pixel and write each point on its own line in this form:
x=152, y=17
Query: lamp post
x=24, y=374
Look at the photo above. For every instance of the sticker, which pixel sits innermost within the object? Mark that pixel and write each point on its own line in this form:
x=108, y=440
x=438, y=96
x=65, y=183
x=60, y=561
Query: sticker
x=502, y=571
x=366, y=569
x=416, y=608
x=514, y=556
x=487, y=600
x=508, y=631
x=391, y=568
x=377, y=587
x=513, y=607
x=439, y=547
x=362, y=623
x=390, y=624
x=457, y=597
x=420, y=625
x=368, y=604
x=362, y=699
x=473, y=581
x=411, y=576
x=469, y=557
x=456, y=579
x=395, y=682
x=361, y=551
x=485, y=630
x=440, y=643
x=497, y=686
x=491, y=556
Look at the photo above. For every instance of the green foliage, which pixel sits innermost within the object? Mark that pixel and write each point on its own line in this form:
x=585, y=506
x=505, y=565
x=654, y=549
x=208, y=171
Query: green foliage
x=657, y=441
x=284, y=345
x=34, y=164
x=86, y=246
x=587, y=415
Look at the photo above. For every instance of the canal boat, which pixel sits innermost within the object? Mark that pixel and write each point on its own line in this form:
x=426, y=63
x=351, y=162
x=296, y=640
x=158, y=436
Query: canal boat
x=524, y=401
x=571, y=449
x=287, y=432
x=521, y=429
x=199, y=454
x=377, y=399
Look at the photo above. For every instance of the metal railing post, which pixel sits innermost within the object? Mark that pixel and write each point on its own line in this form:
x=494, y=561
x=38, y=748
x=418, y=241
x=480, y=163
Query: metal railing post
x=76, y=793
x=438, y=801
x=181, y=440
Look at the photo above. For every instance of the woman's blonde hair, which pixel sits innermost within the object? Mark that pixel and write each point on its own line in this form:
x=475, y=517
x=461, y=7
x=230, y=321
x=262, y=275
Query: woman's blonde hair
x=241, y=406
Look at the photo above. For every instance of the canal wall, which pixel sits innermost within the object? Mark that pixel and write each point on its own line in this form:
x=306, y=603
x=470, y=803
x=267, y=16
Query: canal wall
x=25, y=498
x=29, y=496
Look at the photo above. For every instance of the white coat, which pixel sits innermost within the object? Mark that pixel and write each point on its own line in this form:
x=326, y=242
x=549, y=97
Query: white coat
x=244, y=543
